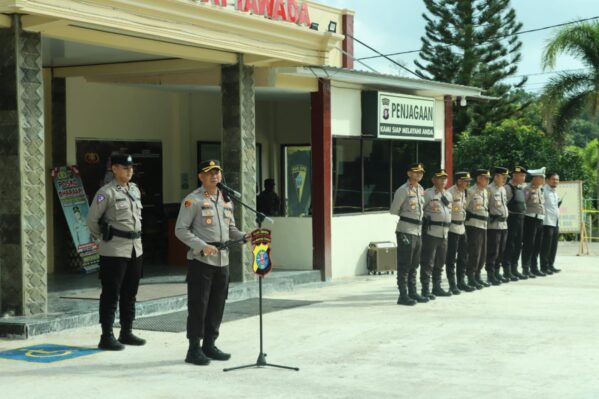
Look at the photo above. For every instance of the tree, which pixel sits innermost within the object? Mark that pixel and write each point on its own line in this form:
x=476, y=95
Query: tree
x=515, y=142
x=475, y=43
x=569, y=94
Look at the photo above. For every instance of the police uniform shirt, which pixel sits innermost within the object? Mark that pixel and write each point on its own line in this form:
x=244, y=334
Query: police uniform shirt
x=477, y=203
x=120, y=207
x=407, y=203
x=206, y=219
x=551, y=206
x=437, y=211
x=458, y=210
x=497, y=207
x=535, y=202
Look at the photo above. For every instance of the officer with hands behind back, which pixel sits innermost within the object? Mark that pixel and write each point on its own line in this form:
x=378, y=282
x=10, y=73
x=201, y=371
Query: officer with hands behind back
x=115, y=218
x=204, y=224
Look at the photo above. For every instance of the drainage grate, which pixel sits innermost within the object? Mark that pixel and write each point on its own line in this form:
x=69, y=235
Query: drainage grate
x=177, y=321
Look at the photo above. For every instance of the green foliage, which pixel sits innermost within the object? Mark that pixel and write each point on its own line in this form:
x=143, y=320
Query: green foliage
x=473, y=42
x=569, y=95
x=516, y=142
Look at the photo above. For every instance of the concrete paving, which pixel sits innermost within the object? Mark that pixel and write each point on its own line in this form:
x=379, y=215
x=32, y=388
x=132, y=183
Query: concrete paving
x=530, y=339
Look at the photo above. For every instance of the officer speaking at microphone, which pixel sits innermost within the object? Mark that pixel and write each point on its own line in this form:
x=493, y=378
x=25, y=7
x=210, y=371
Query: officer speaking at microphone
x=204, y=224
x=115, y=219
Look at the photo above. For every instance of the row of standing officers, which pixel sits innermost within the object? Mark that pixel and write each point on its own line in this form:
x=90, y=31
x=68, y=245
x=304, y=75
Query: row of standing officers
x=468, y=228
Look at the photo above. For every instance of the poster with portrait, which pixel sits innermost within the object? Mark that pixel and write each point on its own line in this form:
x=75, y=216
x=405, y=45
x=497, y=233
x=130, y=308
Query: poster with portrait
x=570, y=195
x=73, y=201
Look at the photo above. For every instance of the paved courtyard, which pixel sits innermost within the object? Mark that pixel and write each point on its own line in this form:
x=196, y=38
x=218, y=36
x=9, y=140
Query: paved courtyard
x=532, y=339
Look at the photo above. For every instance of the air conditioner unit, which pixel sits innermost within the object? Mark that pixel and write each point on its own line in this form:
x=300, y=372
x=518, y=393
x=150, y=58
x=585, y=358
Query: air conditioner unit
x=382, y=257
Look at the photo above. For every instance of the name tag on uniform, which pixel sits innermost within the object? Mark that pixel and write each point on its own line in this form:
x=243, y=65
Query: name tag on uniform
x=121, y=205
x=206, y=212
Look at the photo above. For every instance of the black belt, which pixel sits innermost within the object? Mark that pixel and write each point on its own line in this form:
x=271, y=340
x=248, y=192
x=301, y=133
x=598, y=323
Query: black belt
x=218, y=245
x=132, y=235
x=458, y=222
x=497, y=218
x=410, y=220
x=471, y=215
x=442, y=224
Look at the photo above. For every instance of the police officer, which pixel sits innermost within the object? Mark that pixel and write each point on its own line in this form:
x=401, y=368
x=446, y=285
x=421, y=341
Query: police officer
x=497, y=226
x=457, y=245
x=205, y=222
x=436, y=222
x=477, y=214
x=533, y=223
x=115, y=219
x=516, y=203
x=407, y=203
x=550, y=225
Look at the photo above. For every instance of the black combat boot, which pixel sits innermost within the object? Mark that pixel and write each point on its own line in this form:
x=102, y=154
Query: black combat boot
x=526, y=271
x=507, y=273
x=462, y=286
x=547, y=271
x=211, y=351
x=413, y=294
x=404, y=298
x=128, y=338
x=473, y=283
x=498, y=276
x=108, y=342
x=195, y=354
x=554, y=270
x=517, y=274
x=480, y=280
x=535, y=271
x=438, y=290
x=426, y=290
x=453, y=287
x=492, y=278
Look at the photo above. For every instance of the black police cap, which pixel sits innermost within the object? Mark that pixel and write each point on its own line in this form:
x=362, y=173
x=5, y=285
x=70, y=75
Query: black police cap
x=120, y=158
x=481, y=172
x=416, y=167
x=207, y=166
x=440, y=173
x=499, y=170
x=463, y=176
x=519, y=169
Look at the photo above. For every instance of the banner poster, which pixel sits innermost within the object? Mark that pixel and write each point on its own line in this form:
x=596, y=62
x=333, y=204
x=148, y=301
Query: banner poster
x=69, y=188
x=298, y=180
x=570, y=195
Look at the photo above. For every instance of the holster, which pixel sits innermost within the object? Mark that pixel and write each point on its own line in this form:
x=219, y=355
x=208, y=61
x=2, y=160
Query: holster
x=106, y=230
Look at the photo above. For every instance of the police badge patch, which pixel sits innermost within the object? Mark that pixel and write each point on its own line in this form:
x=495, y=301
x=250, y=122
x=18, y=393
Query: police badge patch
x=100, y=198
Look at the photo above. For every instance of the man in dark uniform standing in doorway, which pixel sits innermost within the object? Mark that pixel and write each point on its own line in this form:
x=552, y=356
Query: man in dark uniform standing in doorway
x=205, y=222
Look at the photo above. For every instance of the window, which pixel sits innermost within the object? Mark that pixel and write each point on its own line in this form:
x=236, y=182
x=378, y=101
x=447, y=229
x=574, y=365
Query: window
x=347, y=176
x=377, y=175
x=366, y=172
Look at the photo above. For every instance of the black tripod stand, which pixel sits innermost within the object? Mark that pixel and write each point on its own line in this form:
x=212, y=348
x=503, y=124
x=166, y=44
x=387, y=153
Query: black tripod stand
x=261, y=361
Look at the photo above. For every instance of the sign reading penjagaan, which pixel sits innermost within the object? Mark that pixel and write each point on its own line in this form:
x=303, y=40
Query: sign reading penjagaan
x=388, y=115
x=293, y=11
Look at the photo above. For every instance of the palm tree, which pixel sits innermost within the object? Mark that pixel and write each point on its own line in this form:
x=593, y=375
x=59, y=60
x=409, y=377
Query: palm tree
x=569, y=94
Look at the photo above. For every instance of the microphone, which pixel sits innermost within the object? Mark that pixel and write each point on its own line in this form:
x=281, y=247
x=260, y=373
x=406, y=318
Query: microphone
x=228, y=190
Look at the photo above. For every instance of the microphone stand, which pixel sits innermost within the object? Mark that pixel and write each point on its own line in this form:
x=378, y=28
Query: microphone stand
x=261, y=361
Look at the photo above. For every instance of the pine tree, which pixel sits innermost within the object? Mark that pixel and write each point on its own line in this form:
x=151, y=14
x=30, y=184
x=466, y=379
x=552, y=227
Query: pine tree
x=473, y=43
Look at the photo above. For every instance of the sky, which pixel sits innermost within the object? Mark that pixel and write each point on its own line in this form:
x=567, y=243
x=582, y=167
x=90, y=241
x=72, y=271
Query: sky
x=397, y=25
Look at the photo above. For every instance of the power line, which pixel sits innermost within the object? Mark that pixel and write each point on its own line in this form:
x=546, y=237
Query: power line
x=382, y=55
x=499, y=37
